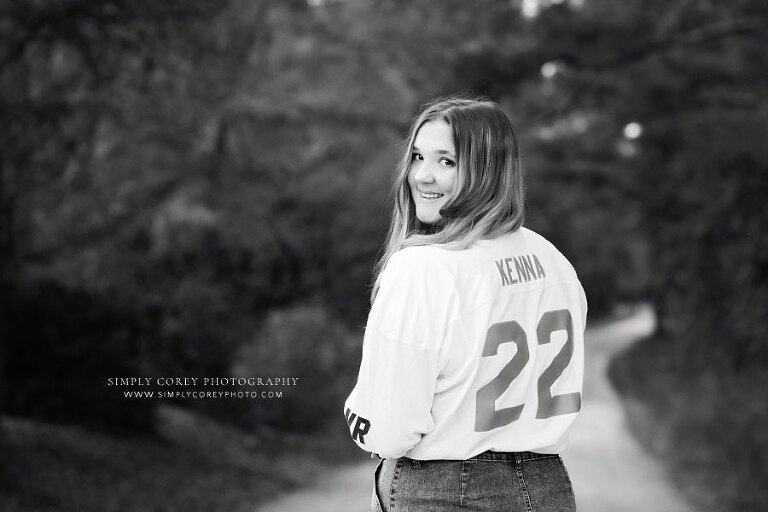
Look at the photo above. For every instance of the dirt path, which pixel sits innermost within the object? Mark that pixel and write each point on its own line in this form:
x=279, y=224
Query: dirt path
x=610, y=471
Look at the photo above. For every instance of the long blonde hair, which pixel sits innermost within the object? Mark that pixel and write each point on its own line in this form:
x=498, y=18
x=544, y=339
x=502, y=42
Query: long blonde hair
x=487, y=198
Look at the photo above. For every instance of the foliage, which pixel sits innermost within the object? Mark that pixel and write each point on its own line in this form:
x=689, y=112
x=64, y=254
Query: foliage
x=304, y=343
x=711, y=416
x=64, y=346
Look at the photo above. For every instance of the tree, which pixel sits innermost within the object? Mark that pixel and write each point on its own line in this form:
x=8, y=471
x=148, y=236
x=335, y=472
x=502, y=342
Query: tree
x=69, y=70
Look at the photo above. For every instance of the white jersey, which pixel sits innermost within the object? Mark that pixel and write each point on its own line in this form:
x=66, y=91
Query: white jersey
x=471, y=350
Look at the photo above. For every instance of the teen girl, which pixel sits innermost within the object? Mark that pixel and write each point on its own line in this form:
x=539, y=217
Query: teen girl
x=472, y=359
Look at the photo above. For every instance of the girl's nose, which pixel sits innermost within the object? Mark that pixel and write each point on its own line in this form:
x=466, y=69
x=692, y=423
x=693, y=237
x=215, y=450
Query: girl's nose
x=423, y=174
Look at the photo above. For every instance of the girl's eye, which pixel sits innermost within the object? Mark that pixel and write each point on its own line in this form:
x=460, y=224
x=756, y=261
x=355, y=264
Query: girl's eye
x=416, y=157
x=447, y=162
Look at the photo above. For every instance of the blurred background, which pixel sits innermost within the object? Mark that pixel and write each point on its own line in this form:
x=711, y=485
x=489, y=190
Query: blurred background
x=198, y=188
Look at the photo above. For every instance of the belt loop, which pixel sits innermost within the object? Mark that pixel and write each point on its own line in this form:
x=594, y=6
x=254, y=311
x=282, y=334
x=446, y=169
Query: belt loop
x=518, y=460
x=416, y=463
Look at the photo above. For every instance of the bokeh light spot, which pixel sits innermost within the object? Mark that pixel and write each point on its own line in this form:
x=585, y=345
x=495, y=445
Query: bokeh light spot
x=549, y=69
x=633, y=130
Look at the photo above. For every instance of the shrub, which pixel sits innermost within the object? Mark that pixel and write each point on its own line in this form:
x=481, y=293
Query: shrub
x=63, y=346
x=303, y=342
x=694, y=418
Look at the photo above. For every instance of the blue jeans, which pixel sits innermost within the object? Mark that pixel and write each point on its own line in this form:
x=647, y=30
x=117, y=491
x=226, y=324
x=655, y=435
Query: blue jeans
x=493, y=481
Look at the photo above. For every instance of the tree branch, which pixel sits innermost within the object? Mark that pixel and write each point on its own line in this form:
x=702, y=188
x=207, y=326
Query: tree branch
x=696, y=36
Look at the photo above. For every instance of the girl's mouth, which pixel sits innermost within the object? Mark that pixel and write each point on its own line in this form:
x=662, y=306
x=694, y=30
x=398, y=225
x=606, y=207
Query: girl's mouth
x=430, y=195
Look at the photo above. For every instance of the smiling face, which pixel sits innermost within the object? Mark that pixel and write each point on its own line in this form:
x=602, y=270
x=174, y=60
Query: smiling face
x=433, y=169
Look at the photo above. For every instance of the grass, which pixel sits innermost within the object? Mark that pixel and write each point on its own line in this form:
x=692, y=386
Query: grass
x=707, y=424
x=192, y=464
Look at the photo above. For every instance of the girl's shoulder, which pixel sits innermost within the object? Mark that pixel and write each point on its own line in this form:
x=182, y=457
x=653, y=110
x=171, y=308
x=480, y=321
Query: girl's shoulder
x=419, y=259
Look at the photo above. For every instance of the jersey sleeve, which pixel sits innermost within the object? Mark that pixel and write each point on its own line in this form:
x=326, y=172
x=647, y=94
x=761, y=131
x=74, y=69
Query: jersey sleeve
x=389, y=409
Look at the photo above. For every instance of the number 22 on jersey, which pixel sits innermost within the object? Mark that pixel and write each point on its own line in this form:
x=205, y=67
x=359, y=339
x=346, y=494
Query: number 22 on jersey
x=487, y=417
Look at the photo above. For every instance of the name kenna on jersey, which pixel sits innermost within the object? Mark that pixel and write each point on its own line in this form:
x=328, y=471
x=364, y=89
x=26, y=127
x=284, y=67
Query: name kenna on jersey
x=519, y=268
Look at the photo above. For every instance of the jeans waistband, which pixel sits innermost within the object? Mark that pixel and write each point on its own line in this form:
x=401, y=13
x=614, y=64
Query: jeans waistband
x=516, y=456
